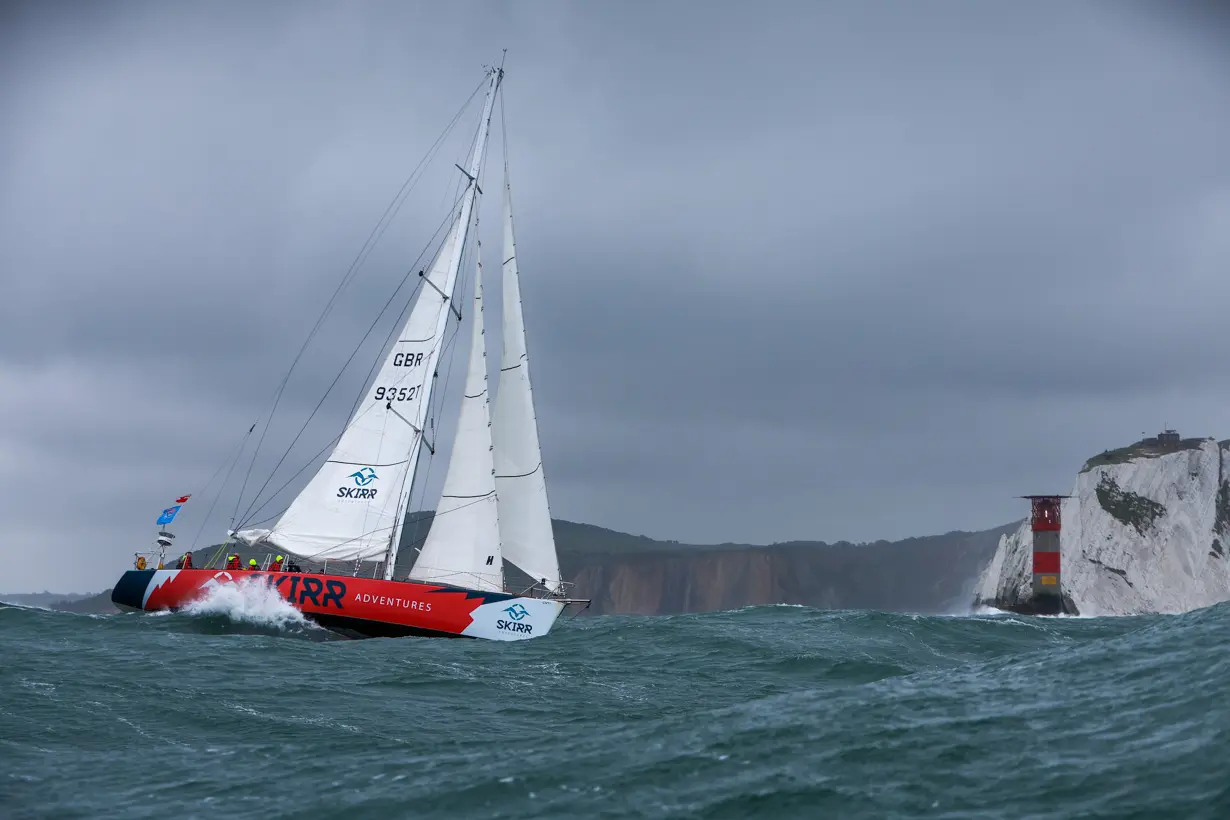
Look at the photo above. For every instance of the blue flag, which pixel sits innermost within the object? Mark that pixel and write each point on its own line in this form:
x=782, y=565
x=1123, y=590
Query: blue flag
x=168, y=515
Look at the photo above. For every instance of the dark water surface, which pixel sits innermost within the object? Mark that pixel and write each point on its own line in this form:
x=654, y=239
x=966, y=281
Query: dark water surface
x=766, y=712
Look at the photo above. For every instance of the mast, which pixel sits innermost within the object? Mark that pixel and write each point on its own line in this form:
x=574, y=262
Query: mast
x=354, y=507
x=464, y=221
x=462, y=547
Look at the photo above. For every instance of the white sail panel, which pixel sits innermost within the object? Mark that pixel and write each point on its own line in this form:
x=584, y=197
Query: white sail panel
x=463, y=545
x=525, y=517
x=352, y=506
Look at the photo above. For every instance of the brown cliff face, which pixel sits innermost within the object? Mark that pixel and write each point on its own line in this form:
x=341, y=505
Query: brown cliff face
x=633, y=574
x=640, y=576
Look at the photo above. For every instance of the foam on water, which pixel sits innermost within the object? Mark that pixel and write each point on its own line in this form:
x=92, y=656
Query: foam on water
x=250, y=601
x=768, y=712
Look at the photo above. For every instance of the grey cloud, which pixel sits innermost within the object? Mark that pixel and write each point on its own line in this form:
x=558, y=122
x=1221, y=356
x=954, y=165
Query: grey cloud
x=805, y=271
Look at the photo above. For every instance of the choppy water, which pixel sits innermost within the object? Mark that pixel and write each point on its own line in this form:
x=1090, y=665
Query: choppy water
x=243, y=711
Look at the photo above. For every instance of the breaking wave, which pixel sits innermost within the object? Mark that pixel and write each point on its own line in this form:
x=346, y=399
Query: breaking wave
x=249, y=601
x=782, y=712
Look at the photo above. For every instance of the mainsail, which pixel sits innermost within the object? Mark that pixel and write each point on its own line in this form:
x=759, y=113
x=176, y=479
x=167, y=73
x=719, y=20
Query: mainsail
x=525, y=518
x=353, y=508
x=463, y=545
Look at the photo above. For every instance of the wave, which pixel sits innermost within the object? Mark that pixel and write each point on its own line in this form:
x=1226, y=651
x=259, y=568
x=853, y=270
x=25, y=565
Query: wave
x=251, y=602
x=768, y=711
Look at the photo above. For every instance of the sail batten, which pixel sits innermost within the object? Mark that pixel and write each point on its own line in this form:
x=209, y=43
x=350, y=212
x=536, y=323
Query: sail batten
x=354, y=507
x=493, y=505
x=526, y=536
x=350, y=508
x=463, y=545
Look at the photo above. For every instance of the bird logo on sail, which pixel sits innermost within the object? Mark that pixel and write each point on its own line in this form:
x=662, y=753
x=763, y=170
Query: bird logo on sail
x=363, y=477
x=360, y=491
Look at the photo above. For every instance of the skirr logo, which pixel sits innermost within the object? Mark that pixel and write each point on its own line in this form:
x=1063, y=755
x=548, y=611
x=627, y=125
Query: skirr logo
x=517, y=612
x=363, y=477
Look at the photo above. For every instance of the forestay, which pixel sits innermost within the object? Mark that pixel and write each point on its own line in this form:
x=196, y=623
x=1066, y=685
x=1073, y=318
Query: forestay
x=353, y=508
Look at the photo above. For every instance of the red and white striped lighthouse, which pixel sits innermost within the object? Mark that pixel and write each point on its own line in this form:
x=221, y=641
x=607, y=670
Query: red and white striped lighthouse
x=1046, y=525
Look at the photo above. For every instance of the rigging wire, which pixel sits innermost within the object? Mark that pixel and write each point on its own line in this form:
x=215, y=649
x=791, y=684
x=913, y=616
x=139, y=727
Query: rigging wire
x=433, y=409
x=396, y=326
x=233, y=461
x=446, y=344
x=439, y=396
x=435, y=406
x=269, y=500
x=374, y=237
x=449, y=344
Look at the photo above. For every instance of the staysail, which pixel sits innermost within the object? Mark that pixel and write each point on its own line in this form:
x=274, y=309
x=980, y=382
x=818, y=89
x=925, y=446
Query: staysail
x=525, y=517
x=353, y=508
x=463, y=545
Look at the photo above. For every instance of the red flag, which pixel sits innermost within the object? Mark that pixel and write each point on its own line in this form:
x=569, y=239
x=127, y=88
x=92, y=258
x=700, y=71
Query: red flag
x=182, y=499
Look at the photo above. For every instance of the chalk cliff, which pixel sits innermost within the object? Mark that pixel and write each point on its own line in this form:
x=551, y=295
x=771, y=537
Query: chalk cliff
x=1147, y=529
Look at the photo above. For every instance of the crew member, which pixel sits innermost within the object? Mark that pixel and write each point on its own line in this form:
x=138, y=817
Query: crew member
x=276, y=566
x=233, y=562
x=185, y=562
x=252, y=564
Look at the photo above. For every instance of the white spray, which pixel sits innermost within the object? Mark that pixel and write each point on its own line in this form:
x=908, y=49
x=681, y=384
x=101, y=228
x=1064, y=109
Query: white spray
x=248, y=600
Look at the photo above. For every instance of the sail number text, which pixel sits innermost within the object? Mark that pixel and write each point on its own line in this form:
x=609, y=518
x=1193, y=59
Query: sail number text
x=407, y=359
x=401, y=393
x=396, y=393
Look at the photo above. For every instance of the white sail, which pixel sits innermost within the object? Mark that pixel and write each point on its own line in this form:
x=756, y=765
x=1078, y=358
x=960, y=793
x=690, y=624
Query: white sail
x=525, y=517
x=350, y=508
x=353, y=508
x=463, y=545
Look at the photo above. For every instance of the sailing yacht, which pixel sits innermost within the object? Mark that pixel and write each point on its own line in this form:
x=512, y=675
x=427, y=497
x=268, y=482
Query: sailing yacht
x=492, y=508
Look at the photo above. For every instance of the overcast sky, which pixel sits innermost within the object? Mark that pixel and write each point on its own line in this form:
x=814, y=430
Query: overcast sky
x=816, y=270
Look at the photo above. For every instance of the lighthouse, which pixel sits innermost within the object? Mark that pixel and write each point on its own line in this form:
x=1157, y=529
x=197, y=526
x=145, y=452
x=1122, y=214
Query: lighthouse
x=1046, y=525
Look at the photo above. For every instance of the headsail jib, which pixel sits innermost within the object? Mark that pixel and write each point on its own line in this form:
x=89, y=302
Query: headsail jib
x=493, y=506
x=350, y=509
x=462, y=547
x=324, y=554
x=354, y=506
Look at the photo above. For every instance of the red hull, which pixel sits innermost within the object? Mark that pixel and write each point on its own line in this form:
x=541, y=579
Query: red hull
x=360, y=607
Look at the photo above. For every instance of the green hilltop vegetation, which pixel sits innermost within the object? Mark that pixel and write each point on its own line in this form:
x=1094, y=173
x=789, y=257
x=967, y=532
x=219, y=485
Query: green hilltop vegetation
x=1150, y=447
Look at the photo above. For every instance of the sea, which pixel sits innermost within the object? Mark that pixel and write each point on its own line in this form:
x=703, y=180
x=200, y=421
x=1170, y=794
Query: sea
x=241, y=709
